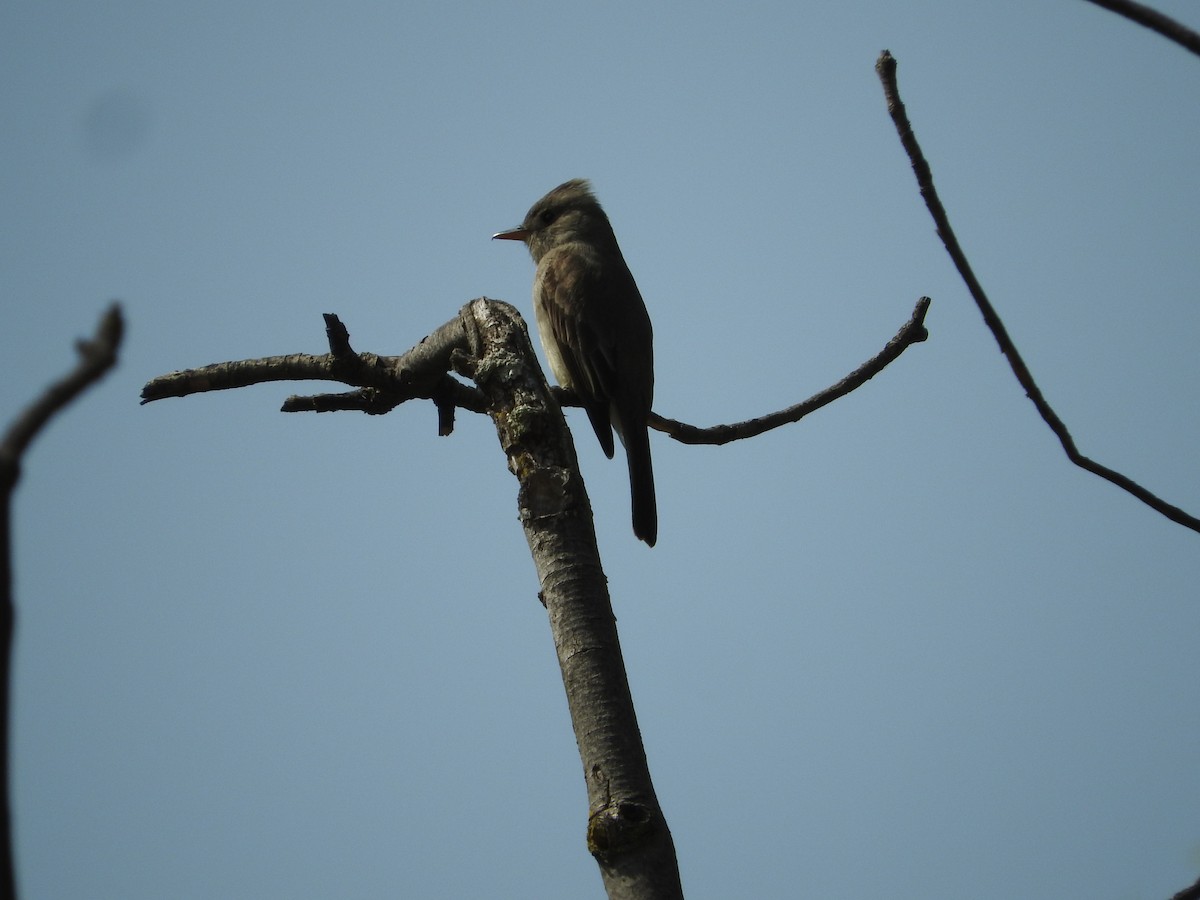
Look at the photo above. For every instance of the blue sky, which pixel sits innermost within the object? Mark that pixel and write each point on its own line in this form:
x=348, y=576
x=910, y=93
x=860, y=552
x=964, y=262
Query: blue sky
x=902, y=648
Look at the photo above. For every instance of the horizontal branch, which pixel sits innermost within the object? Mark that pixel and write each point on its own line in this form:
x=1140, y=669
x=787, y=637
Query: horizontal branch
x=241, y=373
x=384, y=382
x=912, y=332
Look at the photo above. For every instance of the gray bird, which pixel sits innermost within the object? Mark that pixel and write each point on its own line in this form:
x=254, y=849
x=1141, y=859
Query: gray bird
x=594, y=328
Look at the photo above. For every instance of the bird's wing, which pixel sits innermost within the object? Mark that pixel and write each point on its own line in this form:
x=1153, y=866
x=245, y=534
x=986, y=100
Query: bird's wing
x=569, y=294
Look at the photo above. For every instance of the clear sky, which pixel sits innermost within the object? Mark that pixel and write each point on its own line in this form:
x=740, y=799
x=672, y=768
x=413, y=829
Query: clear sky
x=901, y=649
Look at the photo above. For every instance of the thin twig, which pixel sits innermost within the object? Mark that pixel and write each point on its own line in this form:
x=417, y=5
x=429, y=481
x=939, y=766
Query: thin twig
x=912, y=332
x=1155, y=21
x=886, y=67
x=96, y=357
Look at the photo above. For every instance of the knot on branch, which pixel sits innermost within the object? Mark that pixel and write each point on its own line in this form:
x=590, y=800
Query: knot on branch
x=615, y=828
x=543, y=492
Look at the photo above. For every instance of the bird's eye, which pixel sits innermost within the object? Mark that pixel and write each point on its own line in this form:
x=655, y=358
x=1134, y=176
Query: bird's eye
x=548, y=216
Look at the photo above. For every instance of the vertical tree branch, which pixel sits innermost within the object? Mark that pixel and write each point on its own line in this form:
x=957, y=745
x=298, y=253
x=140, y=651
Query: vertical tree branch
x=627, y=832
x=97, y=356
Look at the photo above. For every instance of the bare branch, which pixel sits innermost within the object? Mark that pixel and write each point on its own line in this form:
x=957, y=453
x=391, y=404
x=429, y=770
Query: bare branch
x=96, y=357
x=387, y=381
x=627, y=832
x=384, y=381
x=886, y=67
x=1155, y=21
x=912, y=332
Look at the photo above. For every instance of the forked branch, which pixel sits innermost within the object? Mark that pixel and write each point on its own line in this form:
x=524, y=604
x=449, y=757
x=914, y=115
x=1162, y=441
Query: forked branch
x=488, y=343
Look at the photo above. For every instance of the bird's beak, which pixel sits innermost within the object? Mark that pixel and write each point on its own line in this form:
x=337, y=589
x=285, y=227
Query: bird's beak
x=513, y=234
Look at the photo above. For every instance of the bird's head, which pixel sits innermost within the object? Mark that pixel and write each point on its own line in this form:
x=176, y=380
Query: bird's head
x=568, y=213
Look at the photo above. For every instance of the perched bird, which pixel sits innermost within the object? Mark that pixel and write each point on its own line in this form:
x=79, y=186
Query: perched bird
x=594, y=328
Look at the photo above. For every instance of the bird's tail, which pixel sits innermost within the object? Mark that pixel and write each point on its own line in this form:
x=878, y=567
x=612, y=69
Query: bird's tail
x=641, y=483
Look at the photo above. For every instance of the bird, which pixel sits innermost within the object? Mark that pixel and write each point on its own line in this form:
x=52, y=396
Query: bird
x=594, y=329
